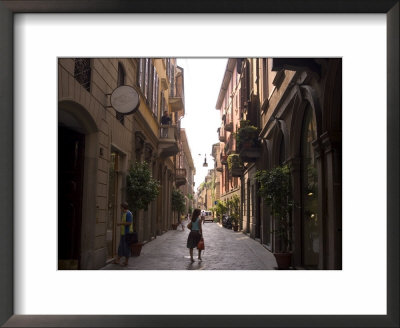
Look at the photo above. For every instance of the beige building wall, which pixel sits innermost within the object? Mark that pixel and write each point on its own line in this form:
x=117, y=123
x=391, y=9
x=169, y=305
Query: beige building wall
x=134, y=137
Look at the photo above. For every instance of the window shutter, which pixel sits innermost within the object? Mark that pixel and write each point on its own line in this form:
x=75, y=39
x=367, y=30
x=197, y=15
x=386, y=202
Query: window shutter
x=146, y=77
x=241, y=92
x=168, y=69
x=149, y=95
x=162, y=103
x=172, y=81
x=140, y=73
x=156, y=95
x=153, y=94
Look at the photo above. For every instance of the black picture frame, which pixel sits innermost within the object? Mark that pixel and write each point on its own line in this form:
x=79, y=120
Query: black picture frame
x=8, y=199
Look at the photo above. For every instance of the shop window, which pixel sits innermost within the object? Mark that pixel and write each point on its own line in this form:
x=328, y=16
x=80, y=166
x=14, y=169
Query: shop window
x=282, y=151
x=309, y=178
x=113, y=201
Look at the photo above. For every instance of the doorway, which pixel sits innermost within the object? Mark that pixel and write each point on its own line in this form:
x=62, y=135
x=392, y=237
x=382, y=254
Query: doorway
x=71, y=149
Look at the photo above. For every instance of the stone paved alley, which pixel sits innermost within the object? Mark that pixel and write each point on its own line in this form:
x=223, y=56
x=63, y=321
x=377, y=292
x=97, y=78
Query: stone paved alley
x=224, y=250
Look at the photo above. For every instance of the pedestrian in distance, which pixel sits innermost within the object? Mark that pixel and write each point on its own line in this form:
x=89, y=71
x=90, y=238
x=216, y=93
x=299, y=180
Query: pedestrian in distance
x=195, y=234
x=126, y=225
x=181, y=223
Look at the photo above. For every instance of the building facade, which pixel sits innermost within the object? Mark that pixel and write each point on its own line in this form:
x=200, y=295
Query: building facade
x=296, y=107
x=185, y=171
x=97, y=145
x=228, y=103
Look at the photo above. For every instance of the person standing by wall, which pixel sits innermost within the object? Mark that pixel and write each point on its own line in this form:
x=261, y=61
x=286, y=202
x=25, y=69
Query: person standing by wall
x=165, y=120
x=195, y=233
x=126, y=228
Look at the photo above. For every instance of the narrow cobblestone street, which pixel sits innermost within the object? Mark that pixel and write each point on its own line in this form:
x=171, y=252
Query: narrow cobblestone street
x=224, y=250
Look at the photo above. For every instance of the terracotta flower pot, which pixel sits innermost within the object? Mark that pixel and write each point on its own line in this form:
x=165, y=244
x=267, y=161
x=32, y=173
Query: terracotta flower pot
x=284, y=260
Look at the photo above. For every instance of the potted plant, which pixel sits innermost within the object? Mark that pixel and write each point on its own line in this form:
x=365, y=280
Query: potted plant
x=220, y=209
x=234, y=209
x=178, y=204
x=247, y=141
x=275, y=189
x=141, y=190
x=235, y=165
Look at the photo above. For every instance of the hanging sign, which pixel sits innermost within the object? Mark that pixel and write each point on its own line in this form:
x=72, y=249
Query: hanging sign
x=125, y=100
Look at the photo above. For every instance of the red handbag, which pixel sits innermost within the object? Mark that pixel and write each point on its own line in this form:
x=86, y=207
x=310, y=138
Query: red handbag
x=200, y=244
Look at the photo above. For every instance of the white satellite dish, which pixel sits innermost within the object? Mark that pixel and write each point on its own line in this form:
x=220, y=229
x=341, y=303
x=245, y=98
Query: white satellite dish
x=125, y=99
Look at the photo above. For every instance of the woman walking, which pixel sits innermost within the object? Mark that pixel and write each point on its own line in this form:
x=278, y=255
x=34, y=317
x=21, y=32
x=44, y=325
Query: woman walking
x=195, y=233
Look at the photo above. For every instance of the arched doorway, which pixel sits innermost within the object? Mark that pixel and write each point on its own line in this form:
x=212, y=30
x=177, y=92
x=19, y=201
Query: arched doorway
x=77, y=167
x=310, y=222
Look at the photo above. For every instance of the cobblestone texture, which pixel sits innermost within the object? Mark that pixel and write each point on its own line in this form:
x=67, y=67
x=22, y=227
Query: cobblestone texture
x=224, y=250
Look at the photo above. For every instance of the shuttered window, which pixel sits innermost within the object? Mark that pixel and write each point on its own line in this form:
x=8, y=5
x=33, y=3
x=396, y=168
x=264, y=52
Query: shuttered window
x=172, y=81
x=162, y=103
x=155, y=94
x=146, y=77
x=168, y=69
x=149, y=94
x=141, y=74
x=265, y=91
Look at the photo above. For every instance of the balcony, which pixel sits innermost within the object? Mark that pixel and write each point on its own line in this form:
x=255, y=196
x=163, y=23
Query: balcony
x=250, y=153
x=224, y=159
x=248, y=143
x=219, y=167
x=176, y=95
x=176, y=103
x=229, y=146
x=235, y=165
x=180, y=177
x=168, y=142
x=221, y=134
x=228, y=123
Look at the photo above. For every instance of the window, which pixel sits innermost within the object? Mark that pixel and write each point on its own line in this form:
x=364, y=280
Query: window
x=309, y=183
x=149, y=94
x=163, y=103
x=282, y=151
x=168, y=69
x=146, y=76
x=82, y=72
x=140, y=78
x=155, y=94
x=121, y=75
x=172, y=81
x=265, y=89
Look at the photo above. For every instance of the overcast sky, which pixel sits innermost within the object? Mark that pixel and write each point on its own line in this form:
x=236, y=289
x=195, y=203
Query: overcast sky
x=203, y=79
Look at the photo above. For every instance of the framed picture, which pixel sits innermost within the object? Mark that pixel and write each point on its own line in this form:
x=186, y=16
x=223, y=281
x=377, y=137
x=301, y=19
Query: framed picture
x=10, y=169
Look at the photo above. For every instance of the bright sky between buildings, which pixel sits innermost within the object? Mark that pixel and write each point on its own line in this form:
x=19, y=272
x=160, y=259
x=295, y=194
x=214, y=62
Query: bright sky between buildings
x=203, y=79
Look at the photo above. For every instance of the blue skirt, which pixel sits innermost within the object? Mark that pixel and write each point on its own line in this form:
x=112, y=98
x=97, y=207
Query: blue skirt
x=123, y=248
